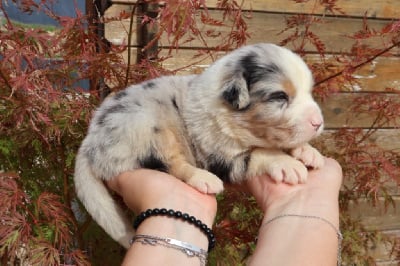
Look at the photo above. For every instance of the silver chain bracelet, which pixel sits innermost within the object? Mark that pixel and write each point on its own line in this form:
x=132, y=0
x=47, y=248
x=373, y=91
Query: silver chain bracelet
x=188, y=249
x=337, y=231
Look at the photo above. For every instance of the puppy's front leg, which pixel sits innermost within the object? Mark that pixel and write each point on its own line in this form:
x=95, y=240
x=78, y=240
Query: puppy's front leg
x=309, y=155
x=280, y=166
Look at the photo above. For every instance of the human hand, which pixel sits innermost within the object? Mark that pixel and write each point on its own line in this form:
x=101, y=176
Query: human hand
x=147, y=189
x=310, y=217
x=144, y=188
x=321, y=188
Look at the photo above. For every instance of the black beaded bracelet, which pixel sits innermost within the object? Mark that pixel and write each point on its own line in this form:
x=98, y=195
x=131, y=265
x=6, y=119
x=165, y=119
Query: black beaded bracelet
x=179, y=215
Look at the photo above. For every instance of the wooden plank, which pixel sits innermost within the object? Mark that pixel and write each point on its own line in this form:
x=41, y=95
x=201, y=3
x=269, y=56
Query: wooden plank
x=382, y=253
x=376, y=76
x=117, y=31
x=379, y=75
x=338, y=112
x=265, y=27
x=373, y=8
x=388, y=262
x=378, y=217
x=387, y=139
x=383, y=139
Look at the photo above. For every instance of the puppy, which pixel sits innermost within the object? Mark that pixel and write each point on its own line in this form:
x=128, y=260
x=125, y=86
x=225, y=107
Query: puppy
x=250, y=113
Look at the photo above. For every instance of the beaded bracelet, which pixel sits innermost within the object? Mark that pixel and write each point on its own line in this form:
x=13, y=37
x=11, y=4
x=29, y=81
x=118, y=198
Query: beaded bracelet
x=179, y=215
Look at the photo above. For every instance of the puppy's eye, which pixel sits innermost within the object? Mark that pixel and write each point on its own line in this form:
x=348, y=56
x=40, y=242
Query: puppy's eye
x=278, y=96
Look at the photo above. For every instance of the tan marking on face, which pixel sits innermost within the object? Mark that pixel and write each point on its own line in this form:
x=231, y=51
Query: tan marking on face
x=264, y=126
x=289, y=88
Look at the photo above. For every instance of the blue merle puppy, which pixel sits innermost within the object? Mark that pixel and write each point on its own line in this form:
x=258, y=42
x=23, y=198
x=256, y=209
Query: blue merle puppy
x=249, y=113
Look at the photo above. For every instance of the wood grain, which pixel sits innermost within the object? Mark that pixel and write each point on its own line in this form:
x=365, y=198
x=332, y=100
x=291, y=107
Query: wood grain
x=338, y=111
x=372, y=216
x=387, y=139
x=377, y=8
x=382, y=253
x=267, y=27
x=378, y=76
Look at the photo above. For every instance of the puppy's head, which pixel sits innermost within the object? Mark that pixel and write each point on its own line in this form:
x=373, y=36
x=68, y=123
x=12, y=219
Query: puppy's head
x=266, y=90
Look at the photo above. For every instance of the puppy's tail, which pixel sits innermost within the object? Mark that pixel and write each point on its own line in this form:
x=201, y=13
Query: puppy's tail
x=99, y=203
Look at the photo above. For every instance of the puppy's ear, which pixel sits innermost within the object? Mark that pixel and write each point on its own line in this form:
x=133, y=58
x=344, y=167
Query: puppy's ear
x=236, y=93
x=246, y=72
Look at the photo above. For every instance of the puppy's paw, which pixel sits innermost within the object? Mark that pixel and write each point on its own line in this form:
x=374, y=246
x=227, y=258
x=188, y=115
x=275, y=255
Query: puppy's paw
x=309, y=155
x=289, y=170
x=206, y=182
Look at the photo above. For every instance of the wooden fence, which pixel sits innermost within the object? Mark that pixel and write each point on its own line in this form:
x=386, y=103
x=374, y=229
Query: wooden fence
x=266, y=20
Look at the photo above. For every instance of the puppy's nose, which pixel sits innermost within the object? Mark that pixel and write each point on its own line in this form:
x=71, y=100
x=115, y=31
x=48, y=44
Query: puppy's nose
x=316, y=121
x=316, y=125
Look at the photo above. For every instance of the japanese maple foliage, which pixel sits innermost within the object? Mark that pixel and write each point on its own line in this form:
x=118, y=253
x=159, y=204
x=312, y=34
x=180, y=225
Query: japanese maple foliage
x=44, y=113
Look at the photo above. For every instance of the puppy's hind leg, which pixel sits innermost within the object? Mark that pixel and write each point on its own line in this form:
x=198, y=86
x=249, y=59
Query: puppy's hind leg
x=180, y=167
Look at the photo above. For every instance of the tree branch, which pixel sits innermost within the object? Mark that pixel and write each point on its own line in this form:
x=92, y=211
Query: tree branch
x=360, y=64
x=128, y=68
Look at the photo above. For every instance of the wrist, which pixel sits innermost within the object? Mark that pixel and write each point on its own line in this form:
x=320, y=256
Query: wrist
x=304, y=202
x=204, y=208
x=162, y=226
x=188, y=220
